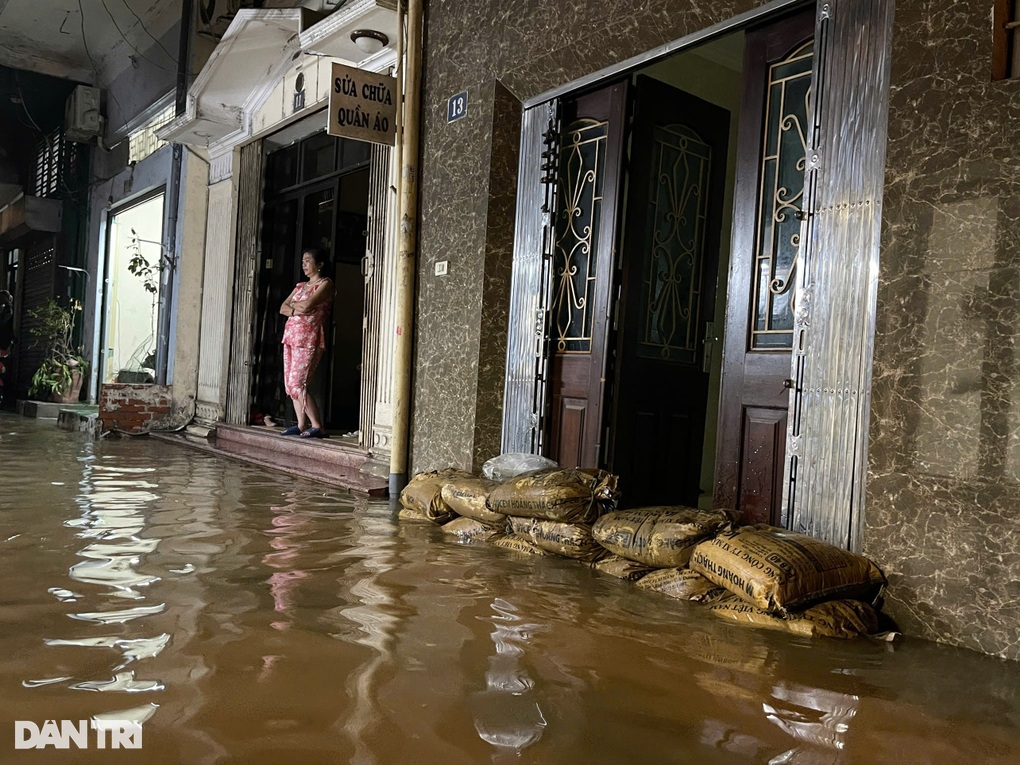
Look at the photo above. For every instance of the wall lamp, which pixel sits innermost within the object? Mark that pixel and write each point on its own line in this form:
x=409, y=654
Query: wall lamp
x=369, y=41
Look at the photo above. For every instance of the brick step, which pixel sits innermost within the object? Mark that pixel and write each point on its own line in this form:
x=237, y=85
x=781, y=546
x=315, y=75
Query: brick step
x=329, y=452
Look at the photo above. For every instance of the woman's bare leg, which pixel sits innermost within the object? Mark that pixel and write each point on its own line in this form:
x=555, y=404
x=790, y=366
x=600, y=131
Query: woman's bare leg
x=312, y=410
x=299, y=409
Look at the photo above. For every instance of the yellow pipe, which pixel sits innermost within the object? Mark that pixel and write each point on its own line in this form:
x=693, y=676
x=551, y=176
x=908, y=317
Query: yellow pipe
x=407, y=223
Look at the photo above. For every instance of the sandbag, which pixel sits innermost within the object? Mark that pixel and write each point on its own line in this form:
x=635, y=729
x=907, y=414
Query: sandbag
x=622, y=568
x=780, y=571
x=408, y=514
x=517, y=525
x=557, y=495
x=517, y=544
x=468, y=496
x=683, y=584
x=834, y=618
x=469, y=528
x=571, y=540
x=424, y=494
x=664, y=537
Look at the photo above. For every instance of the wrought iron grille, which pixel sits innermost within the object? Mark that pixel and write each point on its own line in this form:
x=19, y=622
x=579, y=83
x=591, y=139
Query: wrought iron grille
x=578, y=219
x=56, y=160
x=671, y=291
x=784, y=147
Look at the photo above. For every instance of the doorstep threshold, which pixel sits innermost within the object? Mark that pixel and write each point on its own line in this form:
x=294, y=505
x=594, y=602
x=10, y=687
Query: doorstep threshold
x=282, y=460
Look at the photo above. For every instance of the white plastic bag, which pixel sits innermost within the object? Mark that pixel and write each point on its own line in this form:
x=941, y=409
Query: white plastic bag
x=507, y=466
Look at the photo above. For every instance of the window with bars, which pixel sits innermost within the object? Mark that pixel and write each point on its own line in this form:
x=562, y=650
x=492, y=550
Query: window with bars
x=56, y=160
x=143, y=141
x=1006, y=40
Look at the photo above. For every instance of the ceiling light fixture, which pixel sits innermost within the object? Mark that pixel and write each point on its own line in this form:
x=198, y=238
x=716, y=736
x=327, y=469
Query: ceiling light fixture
x=369, y=41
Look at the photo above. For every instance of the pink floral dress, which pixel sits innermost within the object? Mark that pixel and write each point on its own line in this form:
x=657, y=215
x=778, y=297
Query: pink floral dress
x=304, y=341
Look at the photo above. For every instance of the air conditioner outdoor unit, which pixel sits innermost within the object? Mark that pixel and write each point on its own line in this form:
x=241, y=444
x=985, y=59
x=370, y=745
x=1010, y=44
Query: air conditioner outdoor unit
x=82, y=120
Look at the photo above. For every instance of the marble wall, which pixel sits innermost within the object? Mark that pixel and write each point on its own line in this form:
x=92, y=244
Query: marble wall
x=944, y=477
x=944, y=482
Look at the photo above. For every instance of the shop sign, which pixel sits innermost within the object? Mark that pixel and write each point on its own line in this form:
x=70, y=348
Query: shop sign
x=362, y=105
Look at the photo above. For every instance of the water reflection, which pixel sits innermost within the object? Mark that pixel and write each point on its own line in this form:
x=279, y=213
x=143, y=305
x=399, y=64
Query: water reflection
x=816, y=717
x=506, y=713
x=113, y=502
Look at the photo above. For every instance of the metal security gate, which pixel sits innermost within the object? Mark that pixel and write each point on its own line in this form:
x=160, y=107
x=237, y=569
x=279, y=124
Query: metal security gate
x=249, y=206
x=527, y=342
x=37, y=288
x=837, y=287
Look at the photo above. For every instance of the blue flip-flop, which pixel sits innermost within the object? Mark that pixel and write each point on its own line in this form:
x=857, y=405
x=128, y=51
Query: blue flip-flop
x=293, y=430
x=312, y=433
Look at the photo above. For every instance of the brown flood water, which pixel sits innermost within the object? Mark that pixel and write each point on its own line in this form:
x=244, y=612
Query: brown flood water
x=252, y=618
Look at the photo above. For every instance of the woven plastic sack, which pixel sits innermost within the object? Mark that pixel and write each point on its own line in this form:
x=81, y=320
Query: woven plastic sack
x=622, y=568
x=557, y=495
x=517, y=544
x=571, y=540
x=663, y=537
x=424, y=494
x=781, y=571
x=834, y=618
x=407, y=514
x=683, y=584
x=469, y=528
x=520, y=526
x=507, y=466
x=468, y=497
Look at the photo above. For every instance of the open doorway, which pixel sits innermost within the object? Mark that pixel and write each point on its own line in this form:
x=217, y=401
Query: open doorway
x=677, y=232
x=316, y=196
x=131, y=294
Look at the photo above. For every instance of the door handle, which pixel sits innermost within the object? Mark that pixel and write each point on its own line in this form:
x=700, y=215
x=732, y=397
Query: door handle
x=789, y=383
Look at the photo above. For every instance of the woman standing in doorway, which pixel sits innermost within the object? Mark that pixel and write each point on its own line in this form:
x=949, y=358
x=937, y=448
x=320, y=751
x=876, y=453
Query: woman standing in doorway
x=304, y=341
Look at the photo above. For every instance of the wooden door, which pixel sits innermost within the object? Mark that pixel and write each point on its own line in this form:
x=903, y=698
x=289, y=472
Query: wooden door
x=766, y=239
x=669, y=272
x=589, y=149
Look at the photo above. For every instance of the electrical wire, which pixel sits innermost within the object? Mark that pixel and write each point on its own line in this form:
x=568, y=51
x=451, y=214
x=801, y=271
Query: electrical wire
x=142, y=25
x=124, y=37
x=92, y=61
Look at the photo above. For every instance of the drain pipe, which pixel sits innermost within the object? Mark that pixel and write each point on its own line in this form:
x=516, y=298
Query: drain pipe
x=407, y=244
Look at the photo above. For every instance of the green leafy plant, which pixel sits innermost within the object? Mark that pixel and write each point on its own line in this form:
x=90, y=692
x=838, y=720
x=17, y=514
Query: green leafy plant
x=142, y=267
x=52, y=326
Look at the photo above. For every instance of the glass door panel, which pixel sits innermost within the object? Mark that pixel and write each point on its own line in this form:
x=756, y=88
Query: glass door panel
x=132, y=289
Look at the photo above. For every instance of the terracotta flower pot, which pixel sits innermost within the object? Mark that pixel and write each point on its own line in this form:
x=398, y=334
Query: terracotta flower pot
x=71, y=394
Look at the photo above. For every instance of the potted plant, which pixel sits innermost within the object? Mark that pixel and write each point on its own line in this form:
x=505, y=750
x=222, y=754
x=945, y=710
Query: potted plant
x=60, y=375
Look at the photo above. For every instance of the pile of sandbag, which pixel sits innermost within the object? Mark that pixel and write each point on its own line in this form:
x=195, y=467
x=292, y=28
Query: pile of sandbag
x=454, y=499
x=653, y=545
x=543, y=511
x=422, y=500
x=551, y=511
x=782, y=580
x=757, y=575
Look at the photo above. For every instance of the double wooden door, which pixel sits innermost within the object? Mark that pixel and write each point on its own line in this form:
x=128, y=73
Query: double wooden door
x=633, y=288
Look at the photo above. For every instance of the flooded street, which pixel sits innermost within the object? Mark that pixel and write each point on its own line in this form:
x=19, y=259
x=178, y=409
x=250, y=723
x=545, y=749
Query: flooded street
x=248, y=617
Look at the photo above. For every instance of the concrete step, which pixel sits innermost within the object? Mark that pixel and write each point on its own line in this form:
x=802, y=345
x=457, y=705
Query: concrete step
x=79, y=420
x=48, y=410
x=327, y=460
